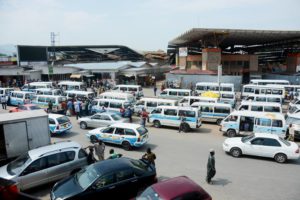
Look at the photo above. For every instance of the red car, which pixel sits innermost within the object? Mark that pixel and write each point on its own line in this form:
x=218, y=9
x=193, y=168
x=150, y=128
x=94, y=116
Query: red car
x=175, y=188
x=25, y=107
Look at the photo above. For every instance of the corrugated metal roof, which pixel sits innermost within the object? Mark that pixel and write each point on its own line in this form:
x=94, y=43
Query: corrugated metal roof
x=100, y=66
x=21, y=115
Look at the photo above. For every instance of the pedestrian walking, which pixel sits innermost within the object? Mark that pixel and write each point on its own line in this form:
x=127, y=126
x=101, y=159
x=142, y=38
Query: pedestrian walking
x=99, y=149
x=91, y=158
x=70, y=107
x=182, y=121
x=144, y=117
x=64, y=107
x=83, y=108
x=211, y=170
x=3, y=102
x=87, y=107
x=149, y=156
x=155, y=90
x=129, y=111
x=77, y=109
x=50, y=106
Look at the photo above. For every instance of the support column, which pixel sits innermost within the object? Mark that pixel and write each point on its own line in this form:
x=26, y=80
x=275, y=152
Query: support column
x=211, y=58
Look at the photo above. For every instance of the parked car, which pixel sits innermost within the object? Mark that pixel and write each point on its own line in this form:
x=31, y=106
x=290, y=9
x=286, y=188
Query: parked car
x=119, y=178
x=45, y=164
x=264, y=145
x=25, y=107
x=126, y=134
x=59, y=124
x=101, y=119
x=175, y=188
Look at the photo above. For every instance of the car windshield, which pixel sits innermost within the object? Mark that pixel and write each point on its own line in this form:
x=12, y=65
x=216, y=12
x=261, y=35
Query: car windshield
x=287, y=143
x=34, y=107
x=87, y=176
x=142, y=131
x=247, y=138
x=116, y=117
x=62, y=120
x=149, y=194
x=16, y=166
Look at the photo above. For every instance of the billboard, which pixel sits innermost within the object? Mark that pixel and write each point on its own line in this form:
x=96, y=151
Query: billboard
x=32, y=54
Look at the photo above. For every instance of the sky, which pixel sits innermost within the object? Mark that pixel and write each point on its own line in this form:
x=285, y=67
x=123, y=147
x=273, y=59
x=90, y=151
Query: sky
x=138, y=24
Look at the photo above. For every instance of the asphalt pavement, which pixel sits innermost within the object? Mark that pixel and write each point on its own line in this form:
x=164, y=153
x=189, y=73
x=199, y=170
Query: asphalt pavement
x=187, y=153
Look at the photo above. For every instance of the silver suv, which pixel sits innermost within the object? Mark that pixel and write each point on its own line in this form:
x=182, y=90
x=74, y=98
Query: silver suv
x=45, y=164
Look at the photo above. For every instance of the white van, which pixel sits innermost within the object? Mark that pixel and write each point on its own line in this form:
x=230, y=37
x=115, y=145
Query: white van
x=263, y=90
x=20, y=97
x=48, y=91
x=246, y=122
x=136, y=90
x=6, y=91
x=189, y=100
x=118, y=96
x=79, y=94
x=175, y=93
x=31, y=87
x=170, y=116
x=71, y=85
x=111, y=105
x=43, y=100
x=269, y=81
x=213, y=112
x=228, y=98
x=260, y=106
x=149, y=104
x=214, y=87
x=265, y=98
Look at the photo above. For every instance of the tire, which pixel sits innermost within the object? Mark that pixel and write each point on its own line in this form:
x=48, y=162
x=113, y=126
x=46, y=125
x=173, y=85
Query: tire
x=236, y=152
x=280, y=158
x=156, y=124
x=126, y=145
x=83, y=125
x=219, y=121
x=231, y=133
x=186, y=128
x=93, y=139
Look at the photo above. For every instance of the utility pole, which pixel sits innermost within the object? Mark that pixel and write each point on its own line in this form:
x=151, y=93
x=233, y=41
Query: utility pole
x=52, y=56
x=219, y=78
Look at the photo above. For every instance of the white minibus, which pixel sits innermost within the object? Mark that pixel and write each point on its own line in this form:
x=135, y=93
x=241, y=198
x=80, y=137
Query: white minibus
x=136, y=90
x=213, y=112
x=35, y=85
x=43, y=100
x=260, y=106
x=111, y=105
x=263, y=89
x=267, y=82
x=71, y=85
x=189, y=100
x=149, y=104
x=246, y=122
x=6, y=91
x=20, y=97
x=175, y=93
x=265, y=98
x=48, y=91
x=170, y=116
x=228, y=97
x=214, y=87
x=118, y=96
x=79, y=94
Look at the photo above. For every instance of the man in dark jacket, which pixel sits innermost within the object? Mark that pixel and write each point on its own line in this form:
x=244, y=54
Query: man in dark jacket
x=211, y=170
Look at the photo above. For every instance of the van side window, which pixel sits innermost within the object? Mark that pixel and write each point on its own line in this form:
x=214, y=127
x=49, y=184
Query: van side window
x=272, y=109
x=261, y=99
x=277, y=123
x=103, y=103
x=140, y=103
x=115, y=105
x=156, y=111
x=257, y=108
x=173, y=93
x=19, y=95
x=244, y=107
x=41, y=99
x=187, y=113
x=222, y=110
x=171, y=112
x=206, y=109
x=263, y=122
x=124, y=89
x=151, y=104
x=250, y=90
x=250, y=98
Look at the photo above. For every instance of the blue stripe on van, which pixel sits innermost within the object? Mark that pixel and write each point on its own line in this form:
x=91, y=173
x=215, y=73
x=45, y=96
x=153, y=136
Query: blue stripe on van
x=175, y=118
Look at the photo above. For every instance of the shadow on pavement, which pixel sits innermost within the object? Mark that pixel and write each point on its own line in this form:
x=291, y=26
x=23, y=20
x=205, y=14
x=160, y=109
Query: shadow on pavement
x=221, y=181
x=66, y=135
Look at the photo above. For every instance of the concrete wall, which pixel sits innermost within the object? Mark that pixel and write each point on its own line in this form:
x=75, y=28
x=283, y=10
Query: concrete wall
x=294, y=80
x=188, y=79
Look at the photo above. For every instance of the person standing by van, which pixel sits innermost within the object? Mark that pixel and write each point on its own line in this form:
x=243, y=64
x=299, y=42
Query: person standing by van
x=182, y=120
x=50, y=106
x=99, y=150
x=3, y=102
x=70, y=107
x=77, y=109
x=144, y=117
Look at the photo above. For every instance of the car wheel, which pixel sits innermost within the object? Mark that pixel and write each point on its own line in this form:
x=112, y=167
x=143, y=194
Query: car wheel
x=280, y=158
x=93, y=139
x=219, y=121
x=186, y=128
x=83, y=125
x=126, y=145
x=157, y=124
x=231, y=133
x=236, y=152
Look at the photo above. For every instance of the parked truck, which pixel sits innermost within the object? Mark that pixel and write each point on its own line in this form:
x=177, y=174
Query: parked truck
x=22, y=131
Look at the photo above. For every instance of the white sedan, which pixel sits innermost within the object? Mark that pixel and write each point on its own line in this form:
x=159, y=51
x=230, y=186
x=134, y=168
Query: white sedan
x=264, y=145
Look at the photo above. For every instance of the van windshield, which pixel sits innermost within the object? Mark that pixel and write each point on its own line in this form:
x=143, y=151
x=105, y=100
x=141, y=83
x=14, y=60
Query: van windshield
x=16, y=166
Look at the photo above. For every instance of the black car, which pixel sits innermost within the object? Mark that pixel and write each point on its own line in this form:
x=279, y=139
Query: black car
x=120, y=178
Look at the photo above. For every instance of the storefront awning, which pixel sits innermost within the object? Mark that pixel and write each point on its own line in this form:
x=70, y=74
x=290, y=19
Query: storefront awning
x=75, y=76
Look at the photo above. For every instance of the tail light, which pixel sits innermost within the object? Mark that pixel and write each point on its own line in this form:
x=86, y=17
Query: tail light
x=57, y=127
x=297, y=151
